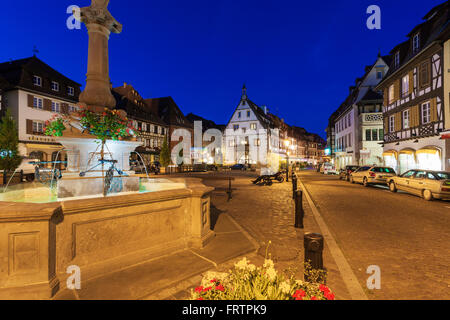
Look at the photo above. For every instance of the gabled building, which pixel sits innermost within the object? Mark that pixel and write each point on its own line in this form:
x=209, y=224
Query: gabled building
x=360, y=112
x=416, y=97
x=150, y=128
x=169, y=112
x=250, y=137
x=34, y=92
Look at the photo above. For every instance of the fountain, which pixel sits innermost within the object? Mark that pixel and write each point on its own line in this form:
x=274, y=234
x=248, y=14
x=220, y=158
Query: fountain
x=43, y=233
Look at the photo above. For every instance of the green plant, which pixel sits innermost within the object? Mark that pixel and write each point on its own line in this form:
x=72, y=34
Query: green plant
x=10, y=158
x=55, y=127
x=249, y=282
x=165, y=154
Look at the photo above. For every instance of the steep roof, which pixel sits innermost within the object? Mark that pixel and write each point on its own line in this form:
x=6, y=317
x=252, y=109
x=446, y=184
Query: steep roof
x=206, y=124
x=169, y=112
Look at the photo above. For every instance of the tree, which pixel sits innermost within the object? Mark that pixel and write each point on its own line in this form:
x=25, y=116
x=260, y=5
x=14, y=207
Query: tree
x=165, y=154
x=10, y=158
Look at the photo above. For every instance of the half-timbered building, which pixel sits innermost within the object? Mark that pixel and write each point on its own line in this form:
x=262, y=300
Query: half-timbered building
x=413, y=106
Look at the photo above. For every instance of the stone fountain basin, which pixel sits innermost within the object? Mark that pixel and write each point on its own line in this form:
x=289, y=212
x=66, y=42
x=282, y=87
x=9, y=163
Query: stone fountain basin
x=39, y=241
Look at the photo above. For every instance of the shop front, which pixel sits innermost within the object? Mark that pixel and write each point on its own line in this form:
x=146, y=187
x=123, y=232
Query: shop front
x=429, y=158
x=390, y=158
x=407, y=160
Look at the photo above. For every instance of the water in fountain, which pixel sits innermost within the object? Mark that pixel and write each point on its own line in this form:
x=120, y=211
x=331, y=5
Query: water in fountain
x=9, y=181
x=145, y=167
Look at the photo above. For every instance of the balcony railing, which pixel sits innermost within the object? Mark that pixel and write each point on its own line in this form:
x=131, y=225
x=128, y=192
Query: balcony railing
x=372, y=117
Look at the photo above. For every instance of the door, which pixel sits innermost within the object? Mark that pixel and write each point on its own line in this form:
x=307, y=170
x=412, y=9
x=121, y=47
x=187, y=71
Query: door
x=417, y=184
x=403, y=182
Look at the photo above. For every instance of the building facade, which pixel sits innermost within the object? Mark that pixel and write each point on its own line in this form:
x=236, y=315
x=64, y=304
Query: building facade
x=151, y=130
x=34, y=94
x=360, y=114
x=414, y=106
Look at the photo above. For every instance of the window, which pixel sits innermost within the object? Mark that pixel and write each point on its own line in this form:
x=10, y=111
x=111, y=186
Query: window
x=37, y=103
x=408, y=174
x=379, y=74
x=397, y=59
x=349, y=122
x=381, y=134
x=374, y=134
x=391, y=123
x=426, y=113
x=56, y=107
x=248, y=114
x=368, y=135
x=405, y=119
x=72, y=109
x=70, y=91
x=55, y=86
x=236, y=127
x=38, y=127
x=405, y=86
x=257, y=142
x=253, y=126
x=239, y=115
x=416, y=43
x=431, y=176
x=424, y=74
x=156, y=129
x=231, y=143
x=37, y=81
x=244, y=130
x=391, y=93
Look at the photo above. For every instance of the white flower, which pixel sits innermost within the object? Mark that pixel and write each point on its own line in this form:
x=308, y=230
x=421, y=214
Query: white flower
x=285, y=287
x=242, y=264
x=268, y=264
x=271, y=273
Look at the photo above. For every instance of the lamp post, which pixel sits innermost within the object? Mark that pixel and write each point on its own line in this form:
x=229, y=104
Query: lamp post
x=287, y=143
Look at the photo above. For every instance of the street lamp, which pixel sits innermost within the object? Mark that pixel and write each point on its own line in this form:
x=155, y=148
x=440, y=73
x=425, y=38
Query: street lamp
x=287, y=143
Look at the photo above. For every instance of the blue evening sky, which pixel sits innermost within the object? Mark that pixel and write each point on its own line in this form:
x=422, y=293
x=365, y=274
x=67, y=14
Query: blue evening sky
x=296, y=57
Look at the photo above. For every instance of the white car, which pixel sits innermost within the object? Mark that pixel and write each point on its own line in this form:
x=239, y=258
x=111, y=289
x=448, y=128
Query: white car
x=368, y=175
x=28, y=168
x=328, y=168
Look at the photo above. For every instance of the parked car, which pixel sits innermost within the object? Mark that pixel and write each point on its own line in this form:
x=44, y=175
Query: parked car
x=372, y=175
x=241, y=167
x=28, y=168
x=203, y=167
x=328, y=168
x=424, y=183
x=344, y=174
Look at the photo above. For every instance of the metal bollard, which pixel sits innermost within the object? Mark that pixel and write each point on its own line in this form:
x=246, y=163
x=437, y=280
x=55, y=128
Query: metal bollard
x=294, y=185
x=314, y=244
x=299, y=212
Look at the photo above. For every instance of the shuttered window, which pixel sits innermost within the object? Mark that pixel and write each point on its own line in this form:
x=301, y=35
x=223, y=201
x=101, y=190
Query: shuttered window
x=426, y=113
x=424, y=76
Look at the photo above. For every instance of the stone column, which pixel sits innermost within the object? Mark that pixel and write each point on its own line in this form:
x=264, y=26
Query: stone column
x=99, y=23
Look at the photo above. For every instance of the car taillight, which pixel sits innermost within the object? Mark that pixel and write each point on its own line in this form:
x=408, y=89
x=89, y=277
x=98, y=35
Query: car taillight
x=372, y=174
x=445, y=189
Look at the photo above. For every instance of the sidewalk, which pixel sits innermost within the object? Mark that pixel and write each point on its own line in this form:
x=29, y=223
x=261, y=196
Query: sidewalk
x=155, y=278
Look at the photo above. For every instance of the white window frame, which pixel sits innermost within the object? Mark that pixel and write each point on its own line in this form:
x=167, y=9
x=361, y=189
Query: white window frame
x=426, y=112
x=416, y=43
x=405, y=86
x=55, y=86
x=235, y=127
x=71, y=91
x=38, y=126
x=397, y=59
x=37, y=81
x=56, y=107
x=391, y=93
x=38, y=103
x=253, y=126
x=405, y=119
x=392, y=124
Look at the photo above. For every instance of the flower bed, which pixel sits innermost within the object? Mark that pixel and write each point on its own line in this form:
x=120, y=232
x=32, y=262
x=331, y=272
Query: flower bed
x=248, y=282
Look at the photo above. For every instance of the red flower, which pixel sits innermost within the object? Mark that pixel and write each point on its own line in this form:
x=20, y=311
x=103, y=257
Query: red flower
x=207, y=289
x=199, y=289
x=213, y=281
x=200, y=298
x=220, y=288
x=299, y=295
x=329, y=296
x=324, y=288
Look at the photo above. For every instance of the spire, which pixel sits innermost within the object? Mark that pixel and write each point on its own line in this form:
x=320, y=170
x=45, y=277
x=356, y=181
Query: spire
x=244, y=92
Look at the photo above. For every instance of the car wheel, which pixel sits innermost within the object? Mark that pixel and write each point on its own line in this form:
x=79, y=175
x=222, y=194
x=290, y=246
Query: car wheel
x=392, y=187
x=427, y=195
x=365, y=184
x=30, y=178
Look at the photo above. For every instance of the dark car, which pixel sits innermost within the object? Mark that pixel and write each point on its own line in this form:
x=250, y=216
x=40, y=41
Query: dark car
x=344, y=174
x=203, y=167
x=241, y=167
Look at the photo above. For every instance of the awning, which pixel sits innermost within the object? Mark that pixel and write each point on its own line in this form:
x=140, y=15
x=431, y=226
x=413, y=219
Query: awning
x=428, y=151
x=391, y=153
x=410, y=152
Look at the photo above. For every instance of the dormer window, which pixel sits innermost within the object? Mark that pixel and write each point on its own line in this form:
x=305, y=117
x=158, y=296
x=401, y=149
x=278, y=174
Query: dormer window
x=55, y=86
x=70, y=91
x=397, y=59
x=416, y=43
x=37, y=81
